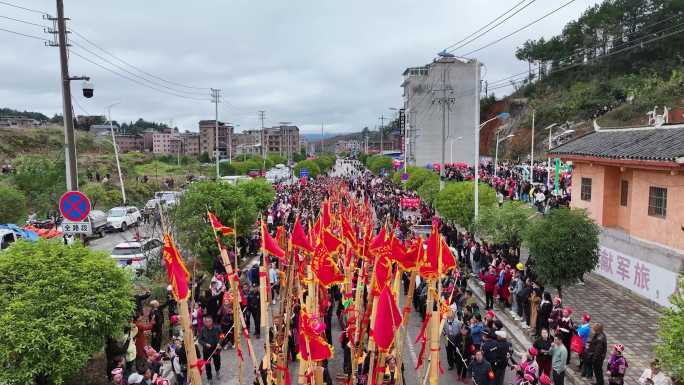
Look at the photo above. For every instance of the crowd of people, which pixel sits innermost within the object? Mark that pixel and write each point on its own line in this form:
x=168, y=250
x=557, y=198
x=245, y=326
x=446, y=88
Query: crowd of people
x=477, y=344
x=512, y=181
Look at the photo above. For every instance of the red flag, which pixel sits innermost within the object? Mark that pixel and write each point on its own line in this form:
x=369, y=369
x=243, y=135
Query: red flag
x=348, y=231
x=268, y=244
x=312, y=346
x=387, y=320
x=379, y=241
x=448, y=259
x=411, y=256
x=324, y=268
x=331, y=242
x=177, y=272
x=437, y=254
x=382, y=271
x=217, y=226
x=299, y=238
x=325, y=214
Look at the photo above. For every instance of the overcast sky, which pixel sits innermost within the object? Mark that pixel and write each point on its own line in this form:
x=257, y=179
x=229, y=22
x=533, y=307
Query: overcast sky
x=302, y=61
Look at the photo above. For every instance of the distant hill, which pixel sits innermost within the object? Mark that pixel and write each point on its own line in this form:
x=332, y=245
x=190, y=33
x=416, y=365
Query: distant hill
x=23, y=114
x=615, y=62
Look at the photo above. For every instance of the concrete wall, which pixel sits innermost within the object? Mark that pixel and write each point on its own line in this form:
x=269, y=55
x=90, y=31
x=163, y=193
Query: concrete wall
x=424, y=117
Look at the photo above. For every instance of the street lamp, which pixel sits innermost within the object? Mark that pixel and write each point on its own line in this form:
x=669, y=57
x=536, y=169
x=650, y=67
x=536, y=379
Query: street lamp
x=116, y=150
x=503, y=116
x=548, y=166
x=451, y=148
x=496, y=152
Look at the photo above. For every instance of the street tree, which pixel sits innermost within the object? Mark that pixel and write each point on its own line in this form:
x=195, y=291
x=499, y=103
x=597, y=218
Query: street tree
x=42, y=180
x=505, y=224
x=230, y=205
x=564, y=245
x=428, y=190
x=377, y=163
x=100, y=197
x=671, y=335
x=260, y=191
x=12, y=204
x=58, y=305
x=456, y=202
x=308, y=164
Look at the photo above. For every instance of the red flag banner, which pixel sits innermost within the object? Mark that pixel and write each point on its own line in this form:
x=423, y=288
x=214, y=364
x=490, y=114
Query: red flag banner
x=387, y=320
x=311, y=329
x=217, y=226
x=178, y=274
x=299, y=238
x=324, y=267
x=268, y=244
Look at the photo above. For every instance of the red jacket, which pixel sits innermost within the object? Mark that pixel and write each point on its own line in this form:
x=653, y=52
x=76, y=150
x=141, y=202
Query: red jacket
x=490, y=282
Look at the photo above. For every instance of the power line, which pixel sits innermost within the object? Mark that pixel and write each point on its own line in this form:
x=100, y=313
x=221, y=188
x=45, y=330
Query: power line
x=134, y=80
x=484, y=26
x=24, y=8
x=25, y=35
x=134, y=74
x=583, y=50
x=493, y=27
x=23, y=21
x=136, y=68
x=637, y=44
x=520, y=29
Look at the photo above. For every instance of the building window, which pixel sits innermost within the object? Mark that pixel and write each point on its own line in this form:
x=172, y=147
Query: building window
x=624, y=192
x=585, y=194
x=657, y=201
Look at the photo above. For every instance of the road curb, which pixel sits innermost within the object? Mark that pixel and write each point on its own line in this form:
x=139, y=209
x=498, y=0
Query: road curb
x=518, y=336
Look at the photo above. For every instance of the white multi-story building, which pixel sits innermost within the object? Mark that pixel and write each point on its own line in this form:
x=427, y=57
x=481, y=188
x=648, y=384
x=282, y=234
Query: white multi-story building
x=449, y=82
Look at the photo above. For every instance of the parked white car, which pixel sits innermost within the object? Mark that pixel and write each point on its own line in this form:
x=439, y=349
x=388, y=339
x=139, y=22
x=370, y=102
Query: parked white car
x=136, y=254
x=119, y=218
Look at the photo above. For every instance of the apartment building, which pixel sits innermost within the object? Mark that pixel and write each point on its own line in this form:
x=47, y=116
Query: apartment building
x=207, y=138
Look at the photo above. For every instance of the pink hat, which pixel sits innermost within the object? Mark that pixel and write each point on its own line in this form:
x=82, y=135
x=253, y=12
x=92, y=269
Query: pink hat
x=557, y=300
x=528, y=377
x=532, y=351
x=491, y=314
x=586, y=317
x=568, y=310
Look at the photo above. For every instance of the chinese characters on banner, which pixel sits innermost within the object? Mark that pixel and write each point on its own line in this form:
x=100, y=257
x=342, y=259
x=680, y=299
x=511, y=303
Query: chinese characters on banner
x=410, y=203
x=643, y=278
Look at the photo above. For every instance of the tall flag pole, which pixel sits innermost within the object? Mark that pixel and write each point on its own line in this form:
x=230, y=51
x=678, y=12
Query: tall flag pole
x=234, y=281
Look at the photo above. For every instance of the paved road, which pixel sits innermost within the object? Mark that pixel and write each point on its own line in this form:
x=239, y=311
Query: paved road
x=111, y=239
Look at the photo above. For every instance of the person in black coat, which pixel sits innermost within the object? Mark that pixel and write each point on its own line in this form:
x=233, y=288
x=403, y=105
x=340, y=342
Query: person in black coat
x=479, y=369
x=464, y=349
x=544, y=312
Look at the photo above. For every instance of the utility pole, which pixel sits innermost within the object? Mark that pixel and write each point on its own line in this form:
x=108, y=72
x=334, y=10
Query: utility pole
x=216, y=98
x=382, y=133
x=532, y=152
x=116, y=151
x=477, y=138
x=445, y=102
x=262, y=116
x=69, y=137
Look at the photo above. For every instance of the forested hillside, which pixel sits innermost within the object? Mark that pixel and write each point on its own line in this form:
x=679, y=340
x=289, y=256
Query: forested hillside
x=617, y=61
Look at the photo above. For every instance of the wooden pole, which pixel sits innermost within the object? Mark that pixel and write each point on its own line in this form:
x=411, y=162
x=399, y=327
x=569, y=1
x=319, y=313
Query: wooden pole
x=237, y=310
x=401, y=337
x=194, y=374
x=189, y=343
x=283, y=361
x=265, y=317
